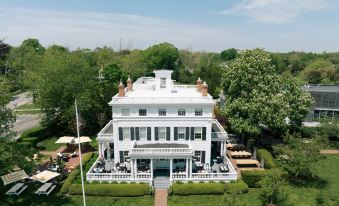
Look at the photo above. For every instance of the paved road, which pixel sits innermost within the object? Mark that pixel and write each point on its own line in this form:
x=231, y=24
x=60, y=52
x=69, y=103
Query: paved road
x=23, y=121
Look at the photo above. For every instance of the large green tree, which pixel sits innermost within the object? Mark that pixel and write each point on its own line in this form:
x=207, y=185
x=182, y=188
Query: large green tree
x=257, y=96
x=159, y=56
x=7, y=118
x=319, y=71
x=228, y=54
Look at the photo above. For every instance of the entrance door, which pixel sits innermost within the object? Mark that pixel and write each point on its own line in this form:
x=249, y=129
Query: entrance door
x=161, y=167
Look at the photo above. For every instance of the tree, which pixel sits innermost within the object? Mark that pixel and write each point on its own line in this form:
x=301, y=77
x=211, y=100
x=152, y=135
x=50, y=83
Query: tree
x=7, y=118
x=299, y=157
x=257, y=96
x=229, y=54
x=273, y=189
x=160, y=56
x=320, y=71
x=232, y=200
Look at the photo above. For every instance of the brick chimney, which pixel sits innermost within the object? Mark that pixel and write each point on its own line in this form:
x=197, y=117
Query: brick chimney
x=129, y=84
x=204, y=90
x=121, y=89
x=199, y=84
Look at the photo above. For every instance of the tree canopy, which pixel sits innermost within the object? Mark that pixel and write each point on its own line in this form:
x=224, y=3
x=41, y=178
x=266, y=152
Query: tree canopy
x=320, y=71
x=257, y=96
x=228, y=54
x=163, y=55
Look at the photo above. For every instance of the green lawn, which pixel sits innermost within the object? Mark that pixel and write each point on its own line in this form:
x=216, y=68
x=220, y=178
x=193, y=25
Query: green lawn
x=299, y=196
x=30, y=107
x=49, y=144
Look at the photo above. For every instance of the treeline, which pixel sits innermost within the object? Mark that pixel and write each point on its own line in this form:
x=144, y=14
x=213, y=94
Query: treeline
x=57, y=75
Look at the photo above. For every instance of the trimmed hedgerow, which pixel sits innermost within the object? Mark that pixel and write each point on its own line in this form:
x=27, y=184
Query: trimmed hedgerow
x=114, y=190
x=239, y=187
x=252, y=177
x=198, y=189
x=69, y=180
x=269, y=162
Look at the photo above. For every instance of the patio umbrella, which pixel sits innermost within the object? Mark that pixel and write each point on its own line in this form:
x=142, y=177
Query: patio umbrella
x=64, y=140
x=83, y=139
x=45, y=176
x=14, y=177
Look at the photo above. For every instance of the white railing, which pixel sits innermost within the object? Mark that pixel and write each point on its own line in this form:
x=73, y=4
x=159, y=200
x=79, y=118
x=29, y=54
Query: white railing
x=151, y=100
x=177, y=176
x=108, y=176
x=214, y=176
x=184, y=86
x=161, y=151
x=143, y=176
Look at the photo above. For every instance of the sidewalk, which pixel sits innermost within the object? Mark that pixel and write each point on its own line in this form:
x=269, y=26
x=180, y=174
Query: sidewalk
x=160, y=197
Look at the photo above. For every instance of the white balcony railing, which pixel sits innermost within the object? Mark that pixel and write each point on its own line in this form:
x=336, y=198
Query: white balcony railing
x=177, y=176
x=143, y=176
x=214, y=176
x=160, y=151
x=108, y=176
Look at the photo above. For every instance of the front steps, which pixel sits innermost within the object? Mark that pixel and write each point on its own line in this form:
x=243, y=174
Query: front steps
x=161, y=183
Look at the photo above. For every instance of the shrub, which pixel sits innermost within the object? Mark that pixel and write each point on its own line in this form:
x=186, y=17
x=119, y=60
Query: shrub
x=25, y=144
x=239, y=187
x=252, y=177
x=114, y=190
x=269, y=162
x=198, y=189
x=68, y=182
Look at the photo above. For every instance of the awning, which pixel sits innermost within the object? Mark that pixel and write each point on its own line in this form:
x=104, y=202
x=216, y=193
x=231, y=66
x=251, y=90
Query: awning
x=14, y=177
x=83, y=139
x=45, y=176
x=64, y=140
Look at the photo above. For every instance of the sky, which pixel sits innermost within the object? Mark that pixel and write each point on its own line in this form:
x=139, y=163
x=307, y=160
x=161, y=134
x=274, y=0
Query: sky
x=198, y=25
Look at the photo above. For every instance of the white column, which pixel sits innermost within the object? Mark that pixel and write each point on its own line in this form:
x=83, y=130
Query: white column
x=171, y=169
x=136, y=167
x=108, y=151
x=132, y=167
x=99, y=147
x=151, y=166
x=191, y=166
x=187, y=167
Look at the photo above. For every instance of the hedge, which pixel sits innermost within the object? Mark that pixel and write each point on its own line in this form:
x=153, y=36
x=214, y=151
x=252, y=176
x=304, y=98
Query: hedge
x=34, y=135
x=198, y=189
x=114, y=190
x=269, y=162
x=252, y=177
x=68, y=182
x=239, y=187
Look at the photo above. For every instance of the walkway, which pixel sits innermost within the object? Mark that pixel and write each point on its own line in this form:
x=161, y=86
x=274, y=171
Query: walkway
x=160, y=197
x=329, y=151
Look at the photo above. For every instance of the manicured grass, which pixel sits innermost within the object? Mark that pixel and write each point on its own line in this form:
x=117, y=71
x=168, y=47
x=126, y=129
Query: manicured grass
x=49, y=144
x=30, y=107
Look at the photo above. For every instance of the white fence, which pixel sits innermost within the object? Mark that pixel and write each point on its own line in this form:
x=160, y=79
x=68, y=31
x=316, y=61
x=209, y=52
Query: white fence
x=161, y=151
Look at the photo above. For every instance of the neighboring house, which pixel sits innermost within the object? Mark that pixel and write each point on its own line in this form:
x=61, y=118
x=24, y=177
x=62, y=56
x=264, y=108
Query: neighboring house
x=159, y=128
x=326, y=101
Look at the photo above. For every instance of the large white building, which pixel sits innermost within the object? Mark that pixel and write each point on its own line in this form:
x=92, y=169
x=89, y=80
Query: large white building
x=160, y=128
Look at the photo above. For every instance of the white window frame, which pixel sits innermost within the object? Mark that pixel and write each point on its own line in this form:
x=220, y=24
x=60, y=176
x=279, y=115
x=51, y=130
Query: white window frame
x=162, y=112
x=198, y=112
x=142, y=112
x=197, y=156
x=162, y=133
x=163, y=82
x=125, y=112
x=126, y=133
x=181, y=133
x=143, y=133
x=126, y=156
x=197, y=133
x=181, y=112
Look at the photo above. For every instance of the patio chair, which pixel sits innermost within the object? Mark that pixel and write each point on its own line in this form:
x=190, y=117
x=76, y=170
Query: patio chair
x=74, y=154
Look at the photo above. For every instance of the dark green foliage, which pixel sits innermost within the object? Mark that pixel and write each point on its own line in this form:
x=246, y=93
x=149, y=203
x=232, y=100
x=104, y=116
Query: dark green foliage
x=239, y=187
x=252, y=177
x=198, y=189
x=114, y=190
x=269, y=162
x=34, y=135
x=68, y=182
x=228, y=54
x=161, y=56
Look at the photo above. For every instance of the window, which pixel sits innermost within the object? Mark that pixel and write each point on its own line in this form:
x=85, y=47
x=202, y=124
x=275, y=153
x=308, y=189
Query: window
x=143, y=133
x=163, y=82
x=197, y=156
x=181, y=133
x=126, y=132
x=162, y=133
x=142, y=112
x=197, y=133
x=162, y=112
x=126, y=156
x=125, y=112
x=198, y=112
x=181, y=112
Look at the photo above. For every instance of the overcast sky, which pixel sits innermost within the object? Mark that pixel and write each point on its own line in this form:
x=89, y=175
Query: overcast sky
x=209, y=25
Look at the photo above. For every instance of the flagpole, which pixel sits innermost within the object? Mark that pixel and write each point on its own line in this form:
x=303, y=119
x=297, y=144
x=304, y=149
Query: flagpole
x=81, y=173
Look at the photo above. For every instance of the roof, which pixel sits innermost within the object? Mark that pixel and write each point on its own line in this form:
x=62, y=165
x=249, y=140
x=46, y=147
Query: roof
x=82, y=140
x=162, y=145
x=14, y=177
x=64, y=140
x=321, y=88
x=45, y=176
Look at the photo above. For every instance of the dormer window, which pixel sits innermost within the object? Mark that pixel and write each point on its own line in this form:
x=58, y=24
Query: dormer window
x=163, y=82
x=181, y=112
x=142, y=112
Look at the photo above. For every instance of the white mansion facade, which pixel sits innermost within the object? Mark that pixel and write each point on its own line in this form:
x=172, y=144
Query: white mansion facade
x=159, y=128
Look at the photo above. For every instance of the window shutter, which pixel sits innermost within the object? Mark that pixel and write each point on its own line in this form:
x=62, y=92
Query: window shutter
x=137, y=136
x=175, y=133
x=149, y=134
x=192, y=133
x=187, y=133
x=203, y=156
x=204, y=133
x=132, y=133
x=121, y=156
x=156, y=133
x=121, y=137
x=168, y=133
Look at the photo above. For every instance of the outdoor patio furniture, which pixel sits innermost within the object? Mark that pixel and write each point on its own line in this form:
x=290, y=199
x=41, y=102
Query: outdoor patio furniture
x=17, y=189
x=74, y=154
x=53, y=167
x=223, y=169
x=45, y=189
